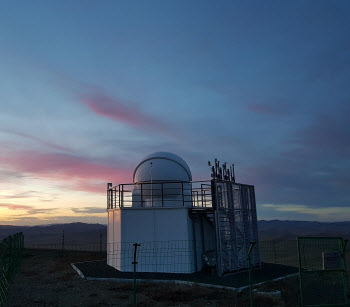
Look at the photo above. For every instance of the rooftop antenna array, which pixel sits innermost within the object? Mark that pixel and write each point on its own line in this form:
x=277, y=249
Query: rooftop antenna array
x=225, y=172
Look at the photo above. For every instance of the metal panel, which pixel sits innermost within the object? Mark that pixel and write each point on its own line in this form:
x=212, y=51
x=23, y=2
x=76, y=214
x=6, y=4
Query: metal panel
x=236, y=225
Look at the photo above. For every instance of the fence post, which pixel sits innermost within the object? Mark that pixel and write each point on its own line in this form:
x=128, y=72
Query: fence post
x=134, y=263
x=250, y=273
x=100, y=240
x=274, y=250
x=62, y=239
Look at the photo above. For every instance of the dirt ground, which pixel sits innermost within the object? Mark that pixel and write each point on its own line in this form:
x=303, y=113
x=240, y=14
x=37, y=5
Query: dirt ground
x=46, y=278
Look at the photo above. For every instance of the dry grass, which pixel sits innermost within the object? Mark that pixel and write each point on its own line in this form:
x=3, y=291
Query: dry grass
x=47, y=279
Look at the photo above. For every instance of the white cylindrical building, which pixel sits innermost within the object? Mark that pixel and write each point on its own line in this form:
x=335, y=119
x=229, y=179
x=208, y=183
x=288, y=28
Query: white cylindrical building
x=157, y=218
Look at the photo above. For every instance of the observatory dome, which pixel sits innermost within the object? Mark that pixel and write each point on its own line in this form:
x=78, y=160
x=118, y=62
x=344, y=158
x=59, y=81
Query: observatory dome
x=162, y=166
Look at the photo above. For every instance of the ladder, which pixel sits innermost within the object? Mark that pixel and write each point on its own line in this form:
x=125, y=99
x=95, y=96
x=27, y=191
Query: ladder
x=225, y=230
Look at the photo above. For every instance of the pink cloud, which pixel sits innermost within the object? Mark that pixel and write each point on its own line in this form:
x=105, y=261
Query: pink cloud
x=15, y=206
x=116, y=110
x=77, y=172
x=93, y=187
x=29, y=209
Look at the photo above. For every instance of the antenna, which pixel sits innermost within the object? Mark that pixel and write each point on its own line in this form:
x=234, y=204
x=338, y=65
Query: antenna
x=223, y=172
x=233, y=173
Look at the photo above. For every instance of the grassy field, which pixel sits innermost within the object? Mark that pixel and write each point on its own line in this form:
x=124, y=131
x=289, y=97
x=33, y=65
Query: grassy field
x=46, y=278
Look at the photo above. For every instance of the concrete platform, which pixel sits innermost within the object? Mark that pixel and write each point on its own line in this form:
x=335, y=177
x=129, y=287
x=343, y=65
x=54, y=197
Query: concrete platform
x=99, y=270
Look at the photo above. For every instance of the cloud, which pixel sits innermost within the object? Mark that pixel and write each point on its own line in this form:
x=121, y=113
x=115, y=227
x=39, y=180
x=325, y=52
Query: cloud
x=37, y=139
x=89, y=210
x=118, y=111
x=30, y=210
x=26, y=194
x=327, y=133
x=8, y=176
x=320, y=213
x=40, y=196
x=298, y=180
x=312, y=165
x=62, y=166
x=273, y=106
x=15, y=206
x=77, y=173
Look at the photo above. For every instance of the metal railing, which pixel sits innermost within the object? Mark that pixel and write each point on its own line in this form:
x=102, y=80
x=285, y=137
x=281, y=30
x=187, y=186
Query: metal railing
x=10, y=257
x=160, y=194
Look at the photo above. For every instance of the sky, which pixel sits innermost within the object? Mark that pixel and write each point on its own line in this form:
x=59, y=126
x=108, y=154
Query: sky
x=88, y=88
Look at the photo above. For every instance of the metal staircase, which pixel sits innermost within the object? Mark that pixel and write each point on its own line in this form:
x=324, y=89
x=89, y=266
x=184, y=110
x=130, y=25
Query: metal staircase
x=233, y=220
x=233, y=225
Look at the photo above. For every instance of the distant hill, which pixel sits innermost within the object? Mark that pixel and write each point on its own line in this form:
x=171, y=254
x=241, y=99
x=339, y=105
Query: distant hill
x=76, y=233
x=52, y=234
x=288, y=230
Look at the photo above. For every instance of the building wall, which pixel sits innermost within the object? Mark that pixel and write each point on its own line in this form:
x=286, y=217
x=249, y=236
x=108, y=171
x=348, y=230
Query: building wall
x=113, y=237
x=165, y=235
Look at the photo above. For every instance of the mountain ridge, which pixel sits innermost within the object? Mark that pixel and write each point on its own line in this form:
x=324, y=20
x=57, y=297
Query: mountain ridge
x=91, y=232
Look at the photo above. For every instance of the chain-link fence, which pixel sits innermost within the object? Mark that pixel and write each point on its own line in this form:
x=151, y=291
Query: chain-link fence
x=322, y=268
x=279, y=251
x=283, y=252
x=10, y=257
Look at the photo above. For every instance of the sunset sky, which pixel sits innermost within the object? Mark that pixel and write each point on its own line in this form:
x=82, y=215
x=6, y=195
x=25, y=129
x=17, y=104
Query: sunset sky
x=87, y=88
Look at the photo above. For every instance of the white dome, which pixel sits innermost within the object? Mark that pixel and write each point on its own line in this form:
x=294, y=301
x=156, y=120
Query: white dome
x=166, y=166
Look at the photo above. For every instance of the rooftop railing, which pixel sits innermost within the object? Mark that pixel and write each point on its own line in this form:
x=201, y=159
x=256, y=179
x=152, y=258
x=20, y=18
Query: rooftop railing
x=160, y=194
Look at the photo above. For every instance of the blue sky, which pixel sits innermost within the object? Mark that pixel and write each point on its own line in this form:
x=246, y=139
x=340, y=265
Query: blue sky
x=90, y=87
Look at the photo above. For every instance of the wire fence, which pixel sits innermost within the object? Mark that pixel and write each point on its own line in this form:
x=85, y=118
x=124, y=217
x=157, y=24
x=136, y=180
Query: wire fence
x=178, y=256
x=187, y=257
x=323, y=260
x=283, y=252
x=10, y=258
